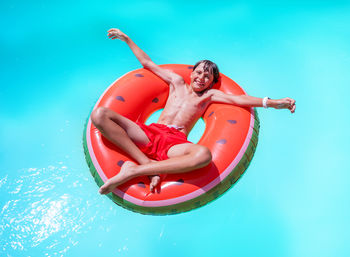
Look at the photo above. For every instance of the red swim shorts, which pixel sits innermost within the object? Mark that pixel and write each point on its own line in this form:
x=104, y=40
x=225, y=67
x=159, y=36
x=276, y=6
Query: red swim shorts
x=162, y=138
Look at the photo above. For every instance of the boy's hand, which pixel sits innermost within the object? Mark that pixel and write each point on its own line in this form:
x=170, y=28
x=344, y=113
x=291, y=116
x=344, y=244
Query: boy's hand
x=117, y=34
x=284, y=103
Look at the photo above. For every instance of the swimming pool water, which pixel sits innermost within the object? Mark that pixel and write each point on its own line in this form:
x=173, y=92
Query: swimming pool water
x=56, y=61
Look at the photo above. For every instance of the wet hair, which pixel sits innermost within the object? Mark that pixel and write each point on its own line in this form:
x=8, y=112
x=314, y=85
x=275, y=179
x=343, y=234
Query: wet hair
x=211, y=68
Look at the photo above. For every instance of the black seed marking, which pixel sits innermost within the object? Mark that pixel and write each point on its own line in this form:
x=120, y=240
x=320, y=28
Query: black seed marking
x=138, y=75
x=190, y=67
x=141, y=184
x=232, y=121
x=210, y=114
x=155, y=100
x=221, y=141
x=179, y=182
x=120, y=163
x=120, y=98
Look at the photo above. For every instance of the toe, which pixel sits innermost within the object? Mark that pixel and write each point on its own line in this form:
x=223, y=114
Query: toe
x=103, y=190
x=155, y=184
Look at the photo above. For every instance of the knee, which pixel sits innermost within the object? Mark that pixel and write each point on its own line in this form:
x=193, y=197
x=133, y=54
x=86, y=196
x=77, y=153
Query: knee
x=99, y=115
x=202, y=156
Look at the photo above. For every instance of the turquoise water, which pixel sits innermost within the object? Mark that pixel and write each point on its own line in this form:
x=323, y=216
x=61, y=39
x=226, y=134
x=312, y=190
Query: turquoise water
x=195, y=134
x=55, y=62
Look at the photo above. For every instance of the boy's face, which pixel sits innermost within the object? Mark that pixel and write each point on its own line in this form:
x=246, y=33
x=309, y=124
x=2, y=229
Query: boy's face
x=201, y=79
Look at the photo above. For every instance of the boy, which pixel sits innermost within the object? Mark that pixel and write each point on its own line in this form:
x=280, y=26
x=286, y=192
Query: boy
x=166, y=142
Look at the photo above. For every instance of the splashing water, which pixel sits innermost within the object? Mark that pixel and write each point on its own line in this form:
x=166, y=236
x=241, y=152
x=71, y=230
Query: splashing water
x=37, y=210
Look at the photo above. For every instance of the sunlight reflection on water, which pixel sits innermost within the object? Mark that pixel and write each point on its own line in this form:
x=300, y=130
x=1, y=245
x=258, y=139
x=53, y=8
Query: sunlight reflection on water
x=38, y=210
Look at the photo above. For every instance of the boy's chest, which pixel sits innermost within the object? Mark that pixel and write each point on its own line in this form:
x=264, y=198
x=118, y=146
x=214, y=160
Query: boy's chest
x=194, y=102
x=188, y=100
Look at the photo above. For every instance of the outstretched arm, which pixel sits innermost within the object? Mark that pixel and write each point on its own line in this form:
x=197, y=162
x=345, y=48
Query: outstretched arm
x=167, y=75
x=250, y=101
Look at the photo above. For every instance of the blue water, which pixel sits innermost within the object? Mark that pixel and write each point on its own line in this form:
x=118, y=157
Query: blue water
x=55, y=62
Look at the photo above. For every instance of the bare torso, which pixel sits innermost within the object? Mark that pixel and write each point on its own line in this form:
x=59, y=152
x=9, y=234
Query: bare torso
x=184, y=107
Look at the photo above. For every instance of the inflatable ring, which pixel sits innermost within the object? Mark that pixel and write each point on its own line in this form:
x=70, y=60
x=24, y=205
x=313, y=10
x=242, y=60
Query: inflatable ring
x=231, y=134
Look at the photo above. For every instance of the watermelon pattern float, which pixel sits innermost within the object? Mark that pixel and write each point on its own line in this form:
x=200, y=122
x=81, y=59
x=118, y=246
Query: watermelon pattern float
x=231, y=134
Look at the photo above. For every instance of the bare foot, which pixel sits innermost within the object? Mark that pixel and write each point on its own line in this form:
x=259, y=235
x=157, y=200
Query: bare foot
x=124, y=175
x=154, y=182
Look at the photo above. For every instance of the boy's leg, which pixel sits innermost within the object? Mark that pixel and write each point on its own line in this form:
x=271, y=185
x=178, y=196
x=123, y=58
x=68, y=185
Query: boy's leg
x=123, y=133
x=182, y=158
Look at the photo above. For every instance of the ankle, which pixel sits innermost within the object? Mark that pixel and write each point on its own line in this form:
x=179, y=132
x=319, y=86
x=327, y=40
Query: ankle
x=133, y=171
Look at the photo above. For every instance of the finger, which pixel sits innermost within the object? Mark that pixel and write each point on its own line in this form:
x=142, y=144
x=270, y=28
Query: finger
x=292, y=101
x=293, y=109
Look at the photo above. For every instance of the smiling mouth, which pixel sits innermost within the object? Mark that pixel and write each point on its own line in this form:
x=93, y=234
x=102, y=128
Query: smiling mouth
x=200, y=83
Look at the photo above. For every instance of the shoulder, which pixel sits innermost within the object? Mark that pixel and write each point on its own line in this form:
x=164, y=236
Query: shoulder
x=177, y=80
x=209, y=95
x=214, y=92
x=220, y=97
x=168, y=76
